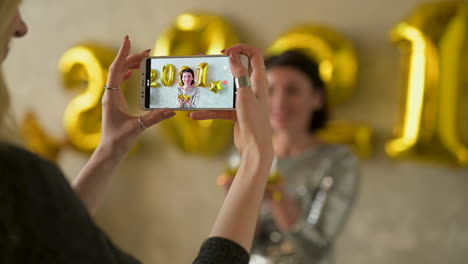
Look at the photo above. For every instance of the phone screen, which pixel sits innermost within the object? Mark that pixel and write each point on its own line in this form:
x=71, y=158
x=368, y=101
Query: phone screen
x=199, y=82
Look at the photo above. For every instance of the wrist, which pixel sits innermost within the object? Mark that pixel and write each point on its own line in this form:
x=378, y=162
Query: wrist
x=111, y=153
x=257, y=160
x=116, y=146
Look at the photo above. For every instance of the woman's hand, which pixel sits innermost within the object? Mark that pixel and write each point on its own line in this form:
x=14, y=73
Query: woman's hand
x=252, y=129
x=119, y=129
x=253, y=138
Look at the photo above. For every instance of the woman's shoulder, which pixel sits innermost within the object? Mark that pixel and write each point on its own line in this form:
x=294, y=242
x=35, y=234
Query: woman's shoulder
x=337, y=149
x=334, y=153
x=10, y=153
x=15, y=160
x=342, y=158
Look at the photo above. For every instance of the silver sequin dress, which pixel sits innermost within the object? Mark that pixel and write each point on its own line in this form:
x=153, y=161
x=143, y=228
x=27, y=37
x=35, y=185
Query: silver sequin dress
x=324, y=182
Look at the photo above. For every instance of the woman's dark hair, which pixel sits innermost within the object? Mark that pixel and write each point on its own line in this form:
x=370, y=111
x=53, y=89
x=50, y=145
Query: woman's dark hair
x=191, y=71
x=301, y=62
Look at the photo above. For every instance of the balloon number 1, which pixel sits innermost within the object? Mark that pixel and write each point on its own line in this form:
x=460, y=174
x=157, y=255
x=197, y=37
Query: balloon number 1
x=437, y=61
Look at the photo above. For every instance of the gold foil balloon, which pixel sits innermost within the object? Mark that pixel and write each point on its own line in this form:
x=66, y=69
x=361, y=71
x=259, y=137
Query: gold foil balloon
x=168, y=75
x=230, y=172
x=206, y=137
x=196, y=32
x=184, y=97
x=357, y=136
x=202, y=71
x=85, y=67
x=338, y=65
x=434, y=44
x=333, y=52
x=215, y=87
x=192, y=33
x=154, y=77
x=39, y=141
x=231, y=169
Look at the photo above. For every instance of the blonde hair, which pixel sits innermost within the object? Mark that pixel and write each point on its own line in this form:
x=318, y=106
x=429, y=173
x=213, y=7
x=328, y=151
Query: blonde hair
x=8, y=9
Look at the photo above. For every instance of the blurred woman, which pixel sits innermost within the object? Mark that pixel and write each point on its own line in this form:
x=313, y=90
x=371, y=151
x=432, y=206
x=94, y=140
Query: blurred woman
x=306, y=209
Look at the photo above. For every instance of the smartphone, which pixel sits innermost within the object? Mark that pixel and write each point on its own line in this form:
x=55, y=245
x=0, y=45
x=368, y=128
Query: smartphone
x=188, y=83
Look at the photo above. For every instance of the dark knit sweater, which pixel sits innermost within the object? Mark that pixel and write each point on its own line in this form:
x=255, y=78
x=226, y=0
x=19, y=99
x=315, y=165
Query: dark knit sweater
x=42, y=220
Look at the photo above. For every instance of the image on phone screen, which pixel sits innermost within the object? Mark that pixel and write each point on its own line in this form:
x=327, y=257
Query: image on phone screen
x=199, y=82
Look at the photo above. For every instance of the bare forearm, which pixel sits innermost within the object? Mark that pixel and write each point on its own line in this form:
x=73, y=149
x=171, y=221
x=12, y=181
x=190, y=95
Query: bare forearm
x=238, y=216
x=95, y=176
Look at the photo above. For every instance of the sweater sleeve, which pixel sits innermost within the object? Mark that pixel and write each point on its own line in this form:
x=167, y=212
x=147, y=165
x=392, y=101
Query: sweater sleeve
x=220, y=250
x=49, y=217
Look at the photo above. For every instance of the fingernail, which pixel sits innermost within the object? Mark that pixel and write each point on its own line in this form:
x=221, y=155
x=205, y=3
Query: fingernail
x=222, y=51
x=126, y=37
x=169, y=113
x=148, y=50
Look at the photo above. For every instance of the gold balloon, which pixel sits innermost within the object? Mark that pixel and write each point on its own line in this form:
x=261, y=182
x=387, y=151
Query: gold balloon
x=229, y=173
x=154, y=76
x=168, y=75
x=85, y=67
x=333, y=52
x=216, y=86
x=357, y=136
x=202, y=71
x=206, y=137
x=39, y=141
x=434, y=44
x=273, y=179
x=196, y=32
x=192, y=33
x=338, y=65
x=184, y=97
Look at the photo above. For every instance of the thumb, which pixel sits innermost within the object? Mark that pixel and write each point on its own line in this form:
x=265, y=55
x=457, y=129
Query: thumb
x=156, y=116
